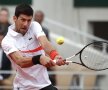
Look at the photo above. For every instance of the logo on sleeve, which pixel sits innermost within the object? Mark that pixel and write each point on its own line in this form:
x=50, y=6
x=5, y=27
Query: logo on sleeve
x=7, y=49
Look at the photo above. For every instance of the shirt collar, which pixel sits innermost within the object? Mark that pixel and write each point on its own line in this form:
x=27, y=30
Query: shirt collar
x=12, y=32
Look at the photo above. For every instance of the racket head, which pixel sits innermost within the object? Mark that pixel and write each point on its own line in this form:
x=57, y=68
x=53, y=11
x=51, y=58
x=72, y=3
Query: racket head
x=99, y=61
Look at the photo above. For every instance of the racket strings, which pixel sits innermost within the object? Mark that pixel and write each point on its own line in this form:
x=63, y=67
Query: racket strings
x=93, y=57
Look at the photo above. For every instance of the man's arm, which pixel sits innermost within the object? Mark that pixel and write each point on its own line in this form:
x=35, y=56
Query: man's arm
x=21, y=60
x=27, y=61
x=46, y=45
x=48, y=48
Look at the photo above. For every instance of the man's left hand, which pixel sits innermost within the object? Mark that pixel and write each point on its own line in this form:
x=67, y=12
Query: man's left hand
x=60, y=61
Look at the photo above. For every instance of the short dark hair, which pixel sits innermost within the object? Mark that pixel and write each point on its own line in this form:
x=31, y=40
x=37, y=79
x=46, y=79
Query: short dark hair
x=23, y=9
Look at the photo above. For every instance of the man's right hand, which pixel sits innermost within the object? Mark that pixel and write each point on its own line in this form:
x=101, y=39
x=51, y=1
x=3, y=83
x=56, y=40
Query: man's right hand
x=46, y=61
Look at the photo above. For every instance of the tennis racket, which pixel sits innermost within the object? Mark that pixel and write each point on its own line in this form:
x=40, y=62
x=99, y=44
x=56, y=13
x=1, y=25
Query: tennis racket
x=93, y=56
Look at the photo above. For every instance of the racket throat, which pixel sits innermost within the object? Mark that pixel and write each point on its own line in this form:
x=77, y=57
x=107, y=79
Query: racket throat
x=69, y=59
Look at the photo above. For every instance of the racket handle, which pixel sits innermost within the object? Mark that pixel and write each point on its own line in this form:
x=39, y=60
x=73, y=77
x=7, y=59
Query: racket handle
x=54, y=61
x=64, y=60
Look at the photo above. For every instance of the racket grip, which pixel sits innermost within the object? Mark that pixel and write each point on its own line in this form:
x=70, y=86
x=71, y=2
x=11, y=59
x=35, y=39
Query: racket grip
x=64, y=60
x=54, y=61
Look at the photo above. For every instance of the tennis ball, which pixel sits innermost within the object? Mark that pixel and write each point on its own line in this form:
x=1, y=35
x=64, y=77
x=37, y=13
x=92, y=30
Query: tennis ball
x=60, y=40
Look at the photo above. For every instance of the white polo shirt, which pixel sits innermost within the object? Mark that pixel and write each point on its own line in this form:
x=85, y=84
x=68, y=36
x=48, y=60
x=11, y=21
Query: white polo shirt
x=36, y=76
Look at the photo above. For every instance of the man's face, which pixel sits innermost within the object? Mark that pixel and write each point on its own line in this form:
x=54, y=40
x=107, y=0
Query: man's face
x=22, y=23
x=39, y=17
x=3, y=16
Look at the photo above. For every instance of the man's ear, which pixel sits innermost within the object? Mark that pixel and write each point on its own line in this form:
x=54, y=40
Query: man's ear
x=14, y=18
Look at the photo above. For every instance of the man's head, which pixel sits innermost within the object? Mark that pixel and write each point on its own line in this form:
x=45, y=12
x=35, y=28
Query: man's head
x=4, y=15
x=22, y=18
x=39, y=16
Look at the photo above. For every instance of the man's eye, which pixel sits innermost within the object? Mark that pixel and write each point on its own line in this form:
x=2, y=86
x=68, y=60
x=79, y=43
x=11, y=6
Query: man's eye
x=29, y=20
x=22, y=20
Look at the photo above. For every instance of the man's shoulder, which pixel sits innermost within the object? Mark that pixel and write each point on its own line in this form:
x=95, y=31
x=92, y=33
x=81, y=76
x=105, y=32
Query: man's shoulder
x=34, y=23
x=4, y=41
x=7, y=39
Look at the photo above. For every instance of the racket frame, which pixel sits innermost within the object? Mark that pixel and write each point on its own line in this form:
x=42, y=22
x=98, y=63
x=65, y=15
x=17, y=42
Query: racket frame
x=80, y=53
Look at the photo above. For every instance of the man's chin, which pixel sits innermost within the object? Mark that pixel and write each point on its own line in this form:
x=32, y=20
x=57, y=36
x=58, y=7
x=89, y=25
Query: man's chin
x=23, y=31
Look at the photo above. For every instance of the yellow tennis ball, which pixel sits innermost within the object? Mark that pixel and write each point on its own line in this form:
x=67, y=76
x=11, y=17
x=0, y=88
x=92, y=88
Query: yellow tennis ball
x=60, y=40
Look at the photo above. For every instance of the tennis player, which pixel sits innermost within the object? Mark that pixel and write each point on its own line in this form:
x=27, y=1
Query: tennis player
x=25, y=45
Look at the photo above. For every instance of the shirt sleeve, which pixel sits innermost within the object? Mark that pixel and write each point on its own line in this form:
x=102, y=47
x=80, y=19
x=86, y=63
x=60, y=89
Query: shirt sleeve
x=8, y=47
x=37, y=29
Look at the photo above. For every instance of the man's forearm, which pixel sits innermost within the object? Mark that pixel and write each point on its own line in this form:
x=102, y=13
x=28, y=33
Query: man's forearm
x=24, y=61
x=50, y=50
x=48, y=47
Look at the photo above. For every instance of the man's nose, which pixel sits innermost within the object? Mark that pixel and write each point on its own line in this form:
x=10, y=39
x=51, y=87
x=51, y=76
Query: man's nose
x=25, y=23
